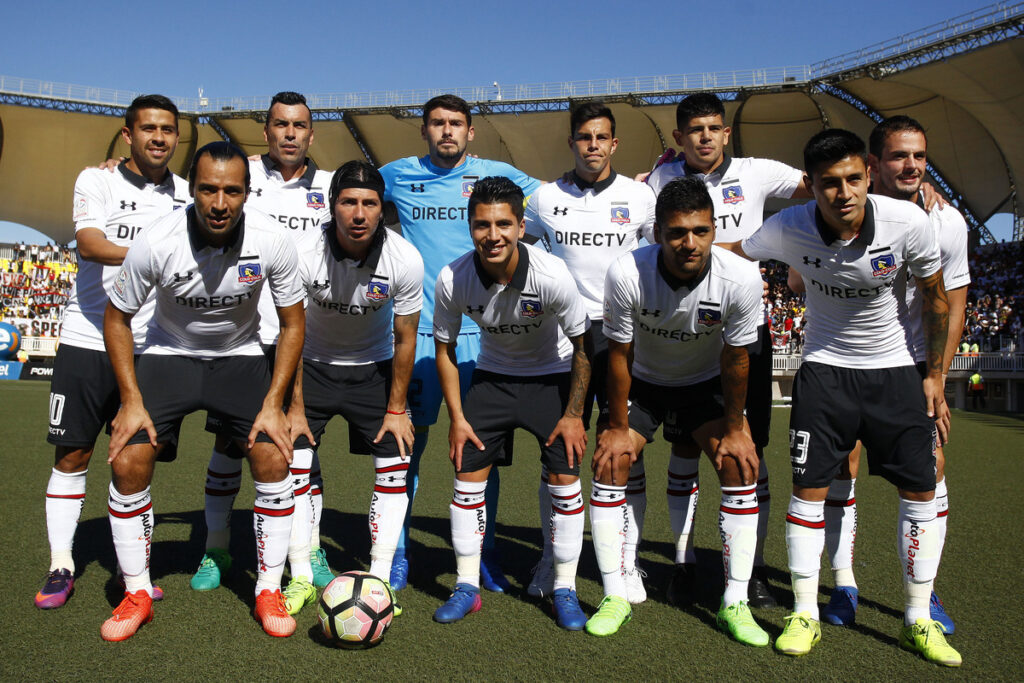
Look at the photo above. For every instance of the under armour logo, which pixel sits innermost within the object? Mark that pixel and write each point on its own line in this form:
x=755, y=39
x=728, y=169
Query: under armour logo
x=125, y=205
x=258, y=191
x=417, y=188
x=560, y=210
x=808, y=262
x=656, y=313
x=478, y=309
x=321, y=285
x=178, y=277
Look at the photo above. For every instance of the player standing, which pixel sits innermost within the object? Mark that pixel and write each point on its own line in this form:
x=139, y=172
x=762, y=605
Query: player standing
x=589, y=218
x=364, y=290
x=897, y=161
x=110, y=210
x=206, y=266
x=431, y=194
x=739, y=188
x=532, y=372
x=858, y=380
x=287, y=185
x=679, y=316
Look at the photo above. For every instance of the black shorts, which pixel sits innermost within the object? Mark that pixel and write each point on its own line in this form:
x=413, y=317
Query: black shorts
x=681, y=409
x=496, y=404
x=83, y=396
x=759, y=387
x=213, y=422
x=359, y=393
x=598, y=389
x=231, y=389
x=885, y=409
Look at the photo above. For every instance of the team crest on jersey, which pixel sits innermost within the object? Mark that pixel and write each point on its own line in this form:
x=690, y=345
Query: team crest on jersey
x=315, y=200
x=249, y=273
x=709, y=317
x=732, y=194
x=120, y=282
x=620, y=214
x=529, y=309
x=377, y=291
x=81, y=208
x=883, y=265
x=468, y=183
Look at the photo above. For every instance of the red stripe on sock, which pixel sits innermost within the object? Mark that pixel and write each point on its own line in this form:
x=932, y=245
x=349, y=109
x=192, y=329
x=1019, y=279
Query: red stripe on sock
x=315, y=490
x=738, y=511
x=840, y=503
x=944, y=513
x=568, y=497
x=577, y=511
x=389, y=489
x=468, y=507
x=393, y=468
x=128, y=515
x=295, y=471
x=74, y=496
x=803, y=522
x=602, y=504
x=303, y=491
x=270, y=512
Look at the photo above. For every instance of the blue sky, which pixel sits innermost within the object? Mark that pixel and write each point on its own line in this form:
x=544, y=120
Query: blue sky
x=328, y=47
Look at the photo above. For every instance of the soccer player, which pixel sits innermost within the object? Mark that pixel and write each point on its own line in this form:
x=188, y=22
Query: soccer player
x=739, y=188
x=110, y=210
x=364, y=290
x=532, y=372
x=679, y=316
x=207, y=267
x=897, y=161
x=431, y=194
x=589, y=218
x=858, y=380
x=286, y=184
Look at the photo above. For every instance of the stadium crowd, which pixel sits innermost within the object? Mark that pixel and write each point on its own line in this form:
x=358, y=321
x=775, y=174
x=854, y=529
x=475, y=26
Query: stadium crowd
x=35, y=283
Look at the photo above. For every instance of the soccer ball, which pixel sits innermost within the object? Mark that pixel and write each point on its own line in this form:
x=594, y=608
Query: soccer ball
x=355, y=610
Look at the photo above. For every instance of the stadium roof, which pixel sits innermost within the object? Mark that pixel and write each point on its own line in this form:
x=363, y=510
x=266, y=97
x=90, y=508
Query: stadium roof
x=962, y=78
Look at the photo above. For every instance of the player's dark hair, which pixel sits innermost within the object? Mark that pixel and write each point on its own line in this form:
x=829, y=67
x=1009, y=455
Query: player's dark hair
x=217, y=151
x=830, y=146
x=497, y=190
x=588, y=111
x=449, y=102
x=685, y=195
x=893, y=124
x=698, y=105
x=148, y=102
x=288, y=98
x=356, y=173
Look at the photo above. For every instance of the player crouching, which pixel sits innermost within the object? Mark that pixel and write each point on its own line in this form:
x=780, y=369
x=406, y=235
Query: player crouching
x=685, y=311
x=364, y=292
x=532, y=372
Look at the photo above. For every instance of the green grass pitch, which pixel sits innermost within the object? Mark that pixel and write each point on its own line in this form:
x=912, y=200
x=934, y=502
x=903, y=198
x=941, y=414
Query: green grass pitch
x=211, y=635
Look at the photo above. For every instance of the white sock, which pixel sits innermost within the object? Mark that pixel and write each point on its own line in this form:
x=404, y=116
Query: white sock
x=764, y=507
x=636, y=509
x=609, y=524
x=941, y=512
x=316, y=500
x=387, y=512
x=805, y=539
x=131, y=525
x=469, y=522
x=918, y=544
x=737, y=525
x=841, y=529
x=683, y=491
x=298, y=545
x=65, y=496
x=544, y=508
x=223, y=479
x=566, y=531
x=272, y=521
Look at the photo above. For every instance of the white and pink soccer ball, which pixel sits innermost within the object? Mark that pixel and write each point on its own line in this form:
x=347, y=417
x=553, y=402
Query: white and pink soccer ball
x=355, y=610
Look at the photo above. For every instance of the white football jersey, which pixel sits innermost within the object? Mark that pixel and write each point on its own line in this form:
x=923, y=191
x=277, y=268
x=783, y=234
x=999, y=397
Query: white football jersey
x=121, y=204
x=524, y=325
x=350, y=305
x=951, y=231
x=856, y=301
x=589, y=226
x=678, y=329
x=206, y=296
x=300, y=207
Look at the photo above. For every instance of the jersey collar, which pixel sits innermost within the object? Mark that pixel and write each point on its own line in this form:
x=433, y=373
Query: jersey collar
x=598, y=187
x=867, y=227
x=919, y=200
x=269, y=165
x=198, y=241
x=674, y=282
x=141, y=181
x=720, y=171
x=518, y=278
x=372, y=256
